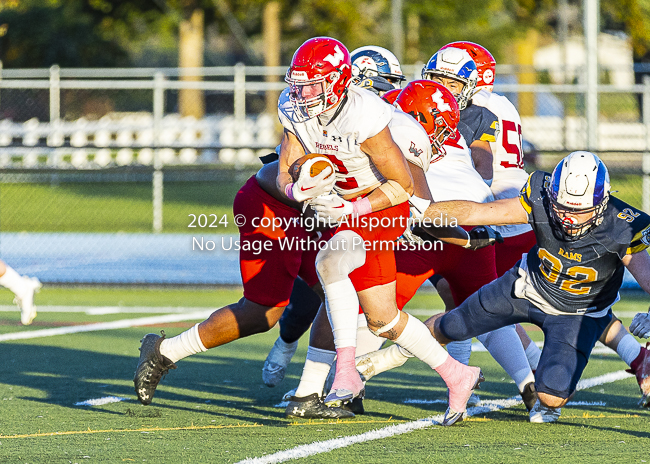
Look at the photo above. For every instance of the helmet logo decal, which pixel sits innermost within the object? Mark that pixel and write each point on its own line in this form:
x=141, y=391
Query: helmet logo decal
x=336, y=58
x=440, y=101
x=488, y=76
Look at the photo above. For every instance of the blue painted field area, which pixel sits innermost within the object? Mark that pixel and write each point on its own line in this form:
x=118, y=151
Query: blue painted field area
x=121, y=258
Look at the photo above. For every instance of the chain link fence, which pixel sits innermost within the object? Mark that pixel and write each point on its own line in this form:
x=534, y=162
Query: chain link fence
x=116, y=175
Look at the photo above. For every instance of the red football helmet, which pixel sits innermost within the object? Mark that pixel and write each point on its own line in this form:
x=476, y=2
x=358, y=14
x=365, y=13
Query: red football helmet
x=433, y=106
x=391, y=95
x=484, y=60
x=319, y=75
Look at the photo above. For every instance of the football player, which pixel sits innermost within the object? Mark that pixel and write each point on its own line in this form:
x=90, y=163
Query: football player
x=568, y=282
x=24, y=288
x=509, y=178
x=268, y=275
x=455, y=69
x=378, y=70
x=322, y=113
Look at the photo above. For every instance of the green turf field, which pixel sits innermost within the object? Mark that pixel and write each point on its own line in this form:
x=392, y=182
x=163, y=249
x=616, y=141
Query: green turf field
x=214, y=407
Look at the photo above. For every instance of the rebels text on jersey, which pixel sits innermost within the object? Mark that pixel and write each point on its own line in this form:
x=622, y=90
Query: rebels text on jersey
x=361, y=115
x=584, y=275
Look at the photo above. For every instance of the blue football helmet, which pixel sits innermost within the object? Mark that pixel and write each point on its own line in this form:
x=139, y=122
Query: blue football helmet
x=372, y=61
x=579, y=186
x=454, y=63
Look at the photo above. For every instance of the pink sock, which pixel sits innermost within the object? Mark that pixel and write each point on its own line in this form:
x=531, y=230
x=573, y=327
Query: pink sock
x=346, y=376
x=460, y=380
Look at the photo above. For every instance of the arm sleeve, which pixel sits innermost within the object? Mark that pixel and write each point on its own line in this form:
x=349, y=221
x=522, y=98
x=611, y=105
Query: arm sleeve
x=525, y=198
x=641, y=238
x=489, y=126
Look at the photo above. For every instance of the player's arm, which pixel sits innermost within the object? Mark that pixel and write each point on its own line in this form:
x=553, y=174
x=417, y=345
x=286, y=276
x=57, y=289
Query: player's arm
x=639, y=266
x=499, y=212
x=290, y=150
x=454, y=235
x=390, y=162
x=482, y=158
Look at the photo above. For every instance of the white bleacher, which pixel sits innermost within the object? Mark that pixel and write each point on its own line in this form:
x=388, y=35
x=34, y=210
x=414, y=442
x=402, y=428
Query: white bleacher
x=93, y=143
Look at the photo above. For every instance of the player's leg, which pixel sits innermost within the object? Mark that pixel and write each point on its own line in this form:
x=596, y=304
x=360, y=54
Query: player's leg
x=344, y=254
x=408, y=332
x=507, y=255
x=413, y=269
x=635, y=355
x=24, y=288
x=568, y=342
x=466, y=272
x=306, y=401
x=267, y=275
x=295, y=321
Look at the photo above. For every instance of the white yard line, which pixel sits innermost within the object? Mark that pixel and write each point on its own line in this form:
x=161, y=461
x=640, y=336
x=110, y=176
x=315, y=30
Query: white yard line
x=121, y=324
x=318, y=447
x=101, y=401
x=100, y=310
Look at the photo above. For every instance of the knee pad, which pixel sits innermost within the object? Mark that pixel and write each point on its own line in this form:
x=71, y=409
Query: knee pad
x=343, y=254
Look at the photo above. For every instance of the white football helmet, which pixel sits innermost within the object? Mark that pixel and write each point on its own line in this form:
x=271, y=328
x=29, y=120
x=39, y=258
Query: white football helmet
x=454, y=63
x=371, y=61
x=579, y=185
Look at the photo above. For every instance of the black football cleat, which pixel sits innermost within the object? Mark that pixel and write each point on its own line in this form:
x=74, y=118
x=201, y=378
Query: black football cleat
x=355, y=406
x=312, y=407
x=529, y=395
x=151, y=367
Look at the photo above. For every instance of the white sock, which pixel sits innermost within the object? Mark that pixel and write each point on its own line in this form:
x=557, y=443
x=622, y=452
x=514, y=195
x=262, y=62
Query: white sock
x=12, y=280
x=460, y=351
x=314, y=374
x=628, y=349
x=367, y=342
x=183, y=345
x=342, y=305
x=282, y=352
x=533, y=353
x=417, y=339
x=505, y=347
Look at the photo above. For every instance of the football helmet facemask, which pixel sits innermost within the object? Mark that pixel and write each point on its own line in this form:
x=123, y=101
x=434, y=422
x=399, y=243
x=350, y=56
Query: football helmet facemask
x=578, y=194
x=454, y=63
x=485, y=63
x=377, y=61
x=318, y=77
x=434, y=107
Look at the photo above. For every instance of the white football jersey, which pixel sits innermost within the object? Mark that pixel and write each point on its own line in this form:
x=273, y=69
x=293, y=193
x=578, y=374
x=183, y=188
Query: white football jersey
x=411, y=138
x=362, y=116
x=453, y=177
x=508, y=164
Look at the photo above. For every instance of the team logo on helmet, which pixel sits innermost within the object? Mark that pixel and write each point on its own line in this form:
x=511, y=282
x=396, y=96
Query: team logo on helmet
x=488, y=76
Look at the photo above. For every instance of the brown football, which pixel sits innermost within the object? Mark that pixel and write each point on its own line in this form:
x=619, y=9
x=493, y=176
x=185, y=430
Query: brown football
x=316, y=168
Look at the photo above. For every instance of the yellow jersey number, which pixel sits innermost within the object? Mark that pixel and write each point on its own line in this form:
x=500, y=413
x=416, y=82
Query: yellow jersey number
x=551, y=267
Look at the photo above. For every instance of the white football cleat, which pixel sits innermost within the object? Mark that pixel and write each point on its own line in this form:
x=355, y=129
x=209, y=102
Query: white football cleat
x=25, y=299
x=275, y=366
x=541, y=414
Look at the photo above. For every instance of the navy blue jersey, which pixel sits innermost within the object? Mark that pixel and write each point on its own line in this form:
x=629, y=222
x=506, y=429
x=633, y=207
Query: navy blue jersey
x=584, y=275
x=478, y=123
